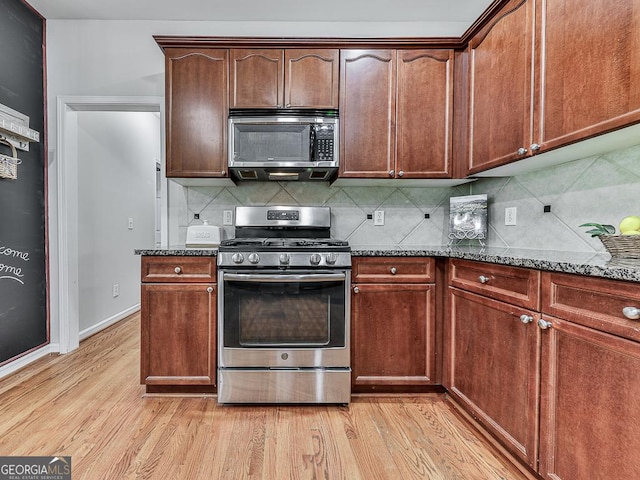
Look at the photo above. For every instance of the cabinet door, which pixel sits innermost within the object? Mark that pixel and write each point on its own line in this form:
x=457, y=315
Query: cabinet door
x=500, y=97
x=367, y=113
x=493, y=372
x=178, y=334
x=425, y=117
x=590, y=409
x=393, y=335
x=256, y=78
x=197, y=109
x=590, y=71
x=311, y=78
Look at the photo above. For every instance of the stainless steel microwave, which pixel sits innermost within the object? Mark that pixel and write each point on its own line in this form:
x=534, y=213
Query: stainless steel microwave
x=283, y=144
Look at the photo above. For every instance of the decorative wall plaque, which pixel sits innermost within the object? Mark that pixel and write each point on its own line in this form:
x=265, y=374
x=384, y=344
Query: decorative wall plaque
x=468, y=217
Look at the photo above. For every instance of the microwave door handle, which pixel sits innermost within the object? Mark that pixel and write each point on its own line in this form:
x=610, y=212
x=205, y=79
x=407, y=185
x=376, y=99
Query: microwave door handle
x=313, y=148
x=258, y=277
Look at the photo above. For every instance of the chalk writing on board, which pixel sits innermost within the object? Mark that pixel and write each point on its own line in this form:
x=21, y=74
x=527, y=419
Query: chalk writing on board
x=12, y=272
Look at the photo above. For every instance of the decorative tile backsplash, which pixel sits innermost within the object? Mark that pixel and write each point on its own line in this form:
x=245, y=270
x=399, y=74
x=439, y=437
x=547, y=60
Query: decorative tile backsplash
x=600, y=189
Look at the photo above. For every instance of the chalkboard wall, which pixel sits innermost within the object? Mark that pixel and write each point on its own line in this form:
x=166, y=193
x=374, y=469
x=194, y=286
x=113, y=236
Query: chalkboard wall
x=23, y=241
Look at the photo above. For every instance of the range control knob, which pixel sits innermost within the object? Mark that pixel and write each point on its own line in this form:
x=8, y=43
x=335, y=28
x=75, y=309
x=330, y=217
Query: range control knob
x=285, y=258
x=315, y=259
x=237, y=258
x=254, y=258
x=331, y=258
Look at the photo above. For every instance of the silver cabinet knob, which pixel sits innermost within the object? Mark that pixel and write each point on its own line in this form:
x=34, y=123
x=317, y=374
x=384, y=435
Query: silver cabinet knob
x=393, y=270
x=392, y=173
x=632, y=313
x=534, y=147
x=483, y=279
x=524, y=318
x=522, y=151
x=401, y=173
x=543, y=324
x=209, y=289
x=223, y=172
x=356, y=290
x=177, y=270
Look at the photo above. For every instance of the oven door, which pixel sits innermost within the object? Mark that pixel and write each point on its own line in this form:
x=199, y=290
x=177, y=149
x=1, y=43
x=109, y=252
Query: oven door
x=283, y=319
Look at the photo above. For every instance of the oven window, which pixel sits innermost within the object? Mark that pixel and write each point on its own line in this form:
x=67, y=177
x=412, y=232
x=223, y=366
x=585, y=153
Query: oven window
x=301, y=314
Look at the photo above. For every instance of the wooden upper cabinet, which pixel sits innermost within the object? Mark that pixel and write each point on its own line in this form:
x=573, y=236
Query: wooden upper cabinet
x=311, y=78
x=367, y=113
x=500, y=92
x=277, y=78
x=396, y=113
x=424, y=113
x=590, y=73
x=547, y=73
x=196, y=114
x=256, y=78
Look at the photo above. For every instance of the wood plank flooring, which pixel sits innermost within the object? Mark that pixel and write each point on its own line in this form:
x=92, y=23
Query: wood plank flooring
x=89, y=405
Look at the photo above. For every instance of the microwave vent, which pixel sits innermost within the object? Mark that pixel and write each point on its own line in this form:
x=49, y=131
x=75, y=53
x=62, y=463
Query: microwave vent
x=319, y=175
x=247, y=174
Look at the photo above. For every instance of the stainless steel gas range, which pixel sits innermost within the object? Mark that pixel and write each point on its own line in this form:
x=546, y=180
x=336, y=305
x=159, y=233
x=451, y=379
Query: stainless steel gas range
x=283, y=309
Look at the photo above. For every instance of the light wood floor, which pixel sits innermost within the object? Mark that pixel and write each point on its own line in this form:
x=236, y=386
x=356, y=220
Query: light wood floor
x=89, y=405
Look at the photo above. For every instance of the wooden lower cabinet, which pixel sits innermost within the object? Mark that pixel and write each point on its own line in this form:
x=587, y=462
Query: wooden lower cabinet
x=178, y=334
x=590, y=409
x=493, y=371
x=178, y=324
x=393, y=324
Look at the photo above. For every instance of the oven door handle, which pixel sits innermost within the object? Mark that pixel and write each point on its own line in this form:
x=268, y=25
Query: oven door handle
x=284, y=278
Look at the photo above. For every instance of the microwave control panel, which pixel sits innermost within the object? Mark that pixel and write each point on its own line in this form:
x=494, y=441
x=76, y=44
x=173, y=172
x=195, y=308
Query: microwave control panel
x=324, y=142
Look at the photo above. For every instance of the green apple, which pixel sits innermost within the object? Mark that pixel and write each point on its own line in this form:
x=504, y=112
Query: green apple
x=629, y=224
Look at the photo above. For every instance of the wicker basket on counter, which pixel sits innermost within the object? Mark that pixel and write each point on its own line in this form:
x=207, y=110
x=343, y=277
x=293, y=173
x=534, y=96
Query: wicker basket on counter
x=624, y=246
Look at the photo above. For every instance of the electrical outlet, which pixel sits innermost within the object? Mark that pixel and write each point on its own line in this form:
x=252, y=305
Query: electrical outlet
x=378, y=217
x=510, y=215
x=227, y=217
x=130, y=224
x=116, y=290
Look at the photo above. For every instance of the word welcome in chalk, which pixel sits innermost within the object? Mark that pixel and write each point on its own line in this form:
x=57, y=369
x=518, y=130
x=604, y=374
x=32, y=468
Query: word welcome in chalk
x=10, y=272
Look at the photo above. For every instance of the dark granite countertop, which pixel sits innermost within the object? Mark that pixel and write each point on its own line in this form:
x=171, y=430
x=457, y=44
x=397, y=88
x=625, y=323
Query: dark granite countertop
x=580, y=263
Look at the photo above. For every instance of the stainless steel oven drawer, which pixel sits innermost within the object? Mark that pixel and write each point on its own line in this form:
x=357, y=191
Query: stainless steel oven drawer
x=312, y=385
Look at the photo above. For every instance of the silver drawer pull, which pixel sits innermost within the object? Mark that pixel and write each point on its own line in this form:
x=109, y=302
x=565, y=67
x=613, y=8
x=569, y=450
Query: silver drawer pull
x=177, y=270
x=524, y=318
x=632, y=313
x=483, y=279
x=394, y=270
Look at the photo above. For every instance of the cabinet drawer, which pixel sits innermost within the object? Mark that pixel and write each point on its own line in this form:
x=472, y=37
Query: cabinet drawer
x=178, y=269
x=393, y=270
x=515, y=285
x=592, y=302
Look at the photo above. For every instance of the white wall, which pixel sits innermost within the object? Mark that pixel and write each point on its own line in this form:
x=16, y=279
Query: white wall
x=116, y=181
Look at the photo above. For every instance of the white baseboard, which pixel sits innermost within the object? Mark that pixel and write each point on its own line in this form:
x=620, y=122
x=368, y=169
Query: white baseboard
x=84, y=334
x=25, y=360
